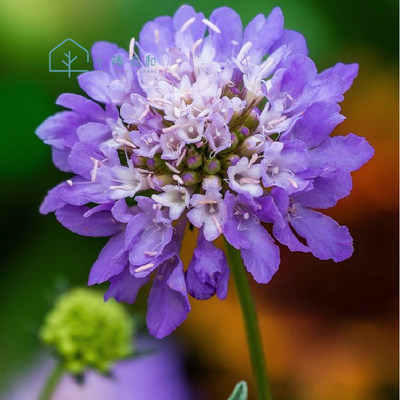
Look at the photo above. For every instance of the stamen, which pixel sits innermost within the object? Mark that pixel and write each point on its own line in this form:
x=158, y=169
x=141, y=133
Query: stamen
x=143, y=171
x=170, y=128
x=69, y=182
x=217, y=224
x=243, y=51
x=144, y=113
x=196, y=44
x=187, y=24
x=151, y=253
x=157, y=36
x=125, y=142
x=253, y=159
x=131, y=48
x=172, y=168
x=94, y=172
x=121, y=187
x=181, y=157
x=293, y=182
x=247, y=180
x=150, y=182
x=246, y=215
x=178, y=179
x=144, y=267
x=211, y=25
x=275, y=121
x=207, y=201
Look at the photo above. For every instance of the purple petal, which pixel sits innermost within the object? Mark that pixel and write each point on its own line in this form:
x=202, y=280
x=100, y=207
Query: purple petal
x=325, y=237
x=244, y=231
x=208, y=272
x=327, y=190
x=122, y=212
x=230, y=25
x=59, y=130
x=157, y=36
x=300, y=71
x=295, y=42
x=230, y=228
x=102, y=53
x=135, y=227
x=125, y=287
x=263, y=33
x=331, y=84
x=81, y=105
x=347, y=72
x=268, y=210
x=96, y=85
x=81, y=159
x=60, y=159
x=284, y=234
x=168, y=304
x=317, y=123
x=80, y=192
x=112, y=260
x=261, y=264
x=94, y=132
x=195, y=30
x=53, y=200
x=349, y=153
x=99, y=224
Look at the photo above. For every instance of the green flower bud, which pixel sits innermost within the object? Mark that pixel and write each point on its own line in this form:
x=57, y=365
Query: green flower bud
x=155, y=164
x=194, y=160
x=251, y=121
x=86, y=333
x=191, y=178
x=212, y=166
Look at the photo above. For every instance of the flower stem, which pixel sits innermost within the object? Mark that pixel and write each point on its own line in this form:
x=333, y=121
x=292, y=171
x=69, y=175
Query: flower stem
x=52, y=382
x=250, y=320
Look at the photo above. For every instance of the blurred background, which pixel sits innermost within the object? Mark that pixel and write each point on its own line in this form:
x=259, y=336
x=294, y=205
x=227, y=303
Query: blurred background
x=330, y=330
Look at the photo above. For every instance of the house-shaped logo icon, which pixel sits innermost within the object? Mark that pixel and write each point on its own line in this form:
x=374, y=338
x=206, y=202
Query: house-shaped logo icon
x=68, y=57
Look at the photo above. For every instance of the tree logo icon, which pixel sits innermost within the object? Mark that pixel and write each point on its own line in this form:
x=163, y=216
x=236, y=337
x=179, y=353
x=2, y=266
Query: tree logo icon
x=67, y=52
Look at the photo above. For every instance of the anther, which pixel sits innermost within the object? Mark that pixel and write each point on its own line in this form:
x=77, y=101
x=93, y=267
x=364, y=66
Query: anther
x=144, y=267
x=211, y=25
x=187, y=24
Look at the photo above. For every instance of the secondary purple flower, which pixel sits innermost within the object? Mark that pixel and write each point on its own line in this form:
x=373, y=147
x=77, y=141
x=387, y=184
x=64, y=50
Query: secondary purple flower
x=228, y=132
x=156, y=375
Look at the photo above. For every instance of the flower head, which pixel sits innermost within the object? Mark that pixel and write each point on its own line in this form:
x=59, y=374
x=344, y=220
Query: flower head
x=229, y=131
x=85, y=333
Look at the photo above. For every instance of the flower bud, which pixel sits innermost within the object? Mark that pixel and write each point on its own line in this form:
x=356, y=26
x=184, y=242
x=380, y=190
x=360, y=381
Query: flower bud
x=161, y=180
x=139, y=162
x=212, y=166
x=231, y=159
x=190, y=178
x=155, y=163
x=252, y=121
x=194, y=160
x=86, y=333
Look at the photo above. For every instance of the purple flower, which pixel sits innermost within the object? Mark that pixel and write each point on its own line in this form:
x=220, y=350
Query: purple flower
x=151, y=376
x=229, y=132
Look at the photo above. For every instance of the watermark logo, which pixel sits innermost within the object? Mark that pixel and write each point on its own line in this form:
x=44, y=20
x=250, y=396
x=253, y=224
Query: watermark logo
x=67, y=52
x=118, y=62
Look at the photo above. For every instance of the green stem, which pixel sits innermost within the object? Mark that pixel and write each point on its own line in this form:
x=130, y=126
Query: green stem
x=250, y=320
x=52, y=382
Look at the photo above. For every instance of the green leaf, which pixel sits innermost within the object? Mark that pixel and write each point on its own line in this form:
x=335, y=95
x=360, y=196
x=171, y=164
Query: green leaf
x=240, y=392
